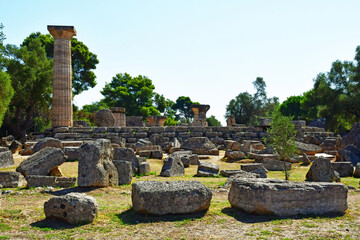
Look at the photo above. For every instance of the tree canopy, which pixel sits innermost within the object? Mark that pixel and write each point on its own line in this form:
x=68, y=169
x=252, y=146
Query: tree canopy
x=31, y=77
x=246, y=107
x=83, y=61
x=133, y=93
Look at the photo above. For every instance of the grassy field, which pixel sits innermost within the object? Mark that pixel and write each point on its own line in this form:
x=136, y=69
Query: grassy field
x=22, y=216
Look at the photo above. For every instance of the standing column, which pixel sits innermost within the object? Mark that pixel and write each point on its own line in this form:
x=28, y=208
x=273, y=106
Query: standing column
x=120, y=116
x=62, y=109
x=200, y=115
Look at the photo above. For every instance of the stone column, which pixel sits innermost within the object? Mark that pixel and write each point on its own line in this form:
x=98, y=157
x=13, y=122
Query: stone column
x=200, y=115
x=156, y=121
x=120, y=116
x=230, y=121
x=62, y=109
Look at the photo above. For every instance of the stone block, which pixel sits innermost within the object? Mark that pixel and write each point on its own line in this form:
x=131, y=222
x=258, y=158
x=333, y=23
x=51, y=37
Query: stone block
x=12, y=180
x=207, y=169
x=73, y=208
x=345, y=169
x=6, y=159
x=125, y=171
x=286, y=198
x=144, y=168
x=49, y=181
x=161, y=198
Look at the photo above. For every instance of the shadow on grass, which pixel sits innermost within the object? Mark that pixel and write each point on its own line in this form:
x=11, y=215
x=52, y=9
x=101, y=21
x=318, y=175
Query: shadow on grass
x=244, y=217
x=130, y=217
x=52, y=224
x=73, y=189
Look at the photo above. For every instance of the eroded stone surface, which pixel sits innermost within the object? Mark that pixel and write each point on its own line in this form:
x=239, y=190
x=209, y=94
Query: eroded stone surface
x=172, y=167
x=321, y=171
x=207, y=169
x=95, y=166
x=200, y=145
x=286, y=198
x=177, y=197
x=42, y=162
x=6, y=159
x=73, y=208
x=104, y=118
x=47, y=142
x=12, y=179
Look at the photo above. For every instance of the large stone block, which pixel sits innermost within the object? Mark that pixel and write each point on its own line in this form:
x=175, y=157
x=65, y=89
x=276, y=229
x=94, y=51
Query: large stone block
x=207, y=169
x=172, y=167
x=12, y=179
x=47, y=142
x=72, y=153
x=95, y=166
x=200, y=145
x=49, y=181
x=6, y=159
x=321, y=171
x=73, y=208
x=257, y=168
x=125, y=171
x=274, y=165
x=42, y=162
x=177, y=197
x=104, y=118
x=345, y=169
x=309, y=149
x=286, y=198
x=351, y=154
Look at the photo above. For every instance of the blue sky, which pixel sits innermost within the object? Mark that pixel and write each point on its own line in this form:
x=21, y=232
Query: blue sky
x=205, y=49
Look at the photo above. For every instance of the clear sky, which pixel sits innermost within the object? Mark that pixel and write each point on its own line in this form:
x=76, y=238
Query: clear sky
x=209, y=50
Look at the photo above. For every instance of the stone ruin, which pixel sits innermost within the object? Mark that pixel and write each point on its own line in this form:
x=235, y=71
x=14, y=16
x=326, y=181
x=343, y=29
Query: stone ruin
x=107, y=157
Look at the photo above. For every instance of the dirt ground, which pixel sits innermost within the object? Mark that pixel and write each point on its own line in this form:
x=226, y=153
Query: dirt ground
x=22, y=215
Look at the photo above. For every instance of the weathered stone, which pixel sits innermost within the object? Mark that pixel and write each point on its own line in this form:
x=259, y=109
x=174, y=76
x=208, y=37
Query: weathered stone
x=49, y=181
x=144, y=168
x=235, y=146
x=177, y=197
x=234, y=155
x=356, y=172
x=240, y=174
x=187, y=158
x=4, y=149
x=257, y=168
x=42, y=162
x=125, y=171
x=95, y=166
x=144, y=153
x=228, y=173
x=258, y=156
x=72, y=153
x=12, y=180
x=350, y=154
x=127, y=154
x=47, y=142
x=274, y=165
x=310, y=149
x=15, y=147
x=172, y=167
x=156, y=154
x=269, y=150
x=6, y=159
x=201, y=146
x=352, y=137
x=207, y=169
x=321, y=171
x=26, y=152
x=228, y=143
x=104, y=118
x=286, y=198
x=73, y=208
x=199, y=114
x=141, y=144
x=319, y=123
x=305, y=160
x=345, y=169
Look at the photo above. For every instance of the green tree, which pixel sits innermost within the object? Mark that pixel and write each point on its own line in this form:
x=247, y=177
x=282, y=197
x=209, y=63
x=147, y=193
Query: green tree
x=31, y=77
x=133, y=93
x=212, y=121
x=281, y=137
x=246, y=108
x=183, y=109
x=83, y=61
x=7, y=91
x=292, y=106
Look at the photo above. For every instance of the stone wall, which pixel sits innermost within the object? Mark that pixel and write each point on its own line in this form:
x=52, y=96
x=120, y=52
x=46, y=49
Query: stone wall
x=167, y=134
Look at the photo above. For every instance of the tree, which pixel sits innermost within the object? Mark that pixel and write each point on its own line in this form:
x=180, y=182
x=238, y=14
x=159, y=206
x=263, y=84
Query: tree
x=133, y=93
x=7, y=91
x=292, y=107
x=246, y=108
x=212, y=121
x=281, y=137
x=83, y=61
x=31, y=77
x=183, y=109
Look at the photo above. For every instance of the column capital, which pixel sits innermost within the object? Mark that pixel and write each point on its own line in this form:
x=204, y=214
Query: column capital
x=65, y=32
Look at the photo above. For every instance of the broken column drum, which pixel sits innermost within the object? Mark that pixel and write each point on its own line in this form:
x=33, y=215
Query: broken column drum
x=200, y=115
x=156, y=121
x=62, y=109
x=120, y=116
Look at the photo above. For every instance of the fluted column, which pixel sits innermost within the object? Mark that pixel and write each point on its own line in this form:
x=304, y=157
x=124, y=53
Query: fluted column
x=62, y=109
x=120, y=116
